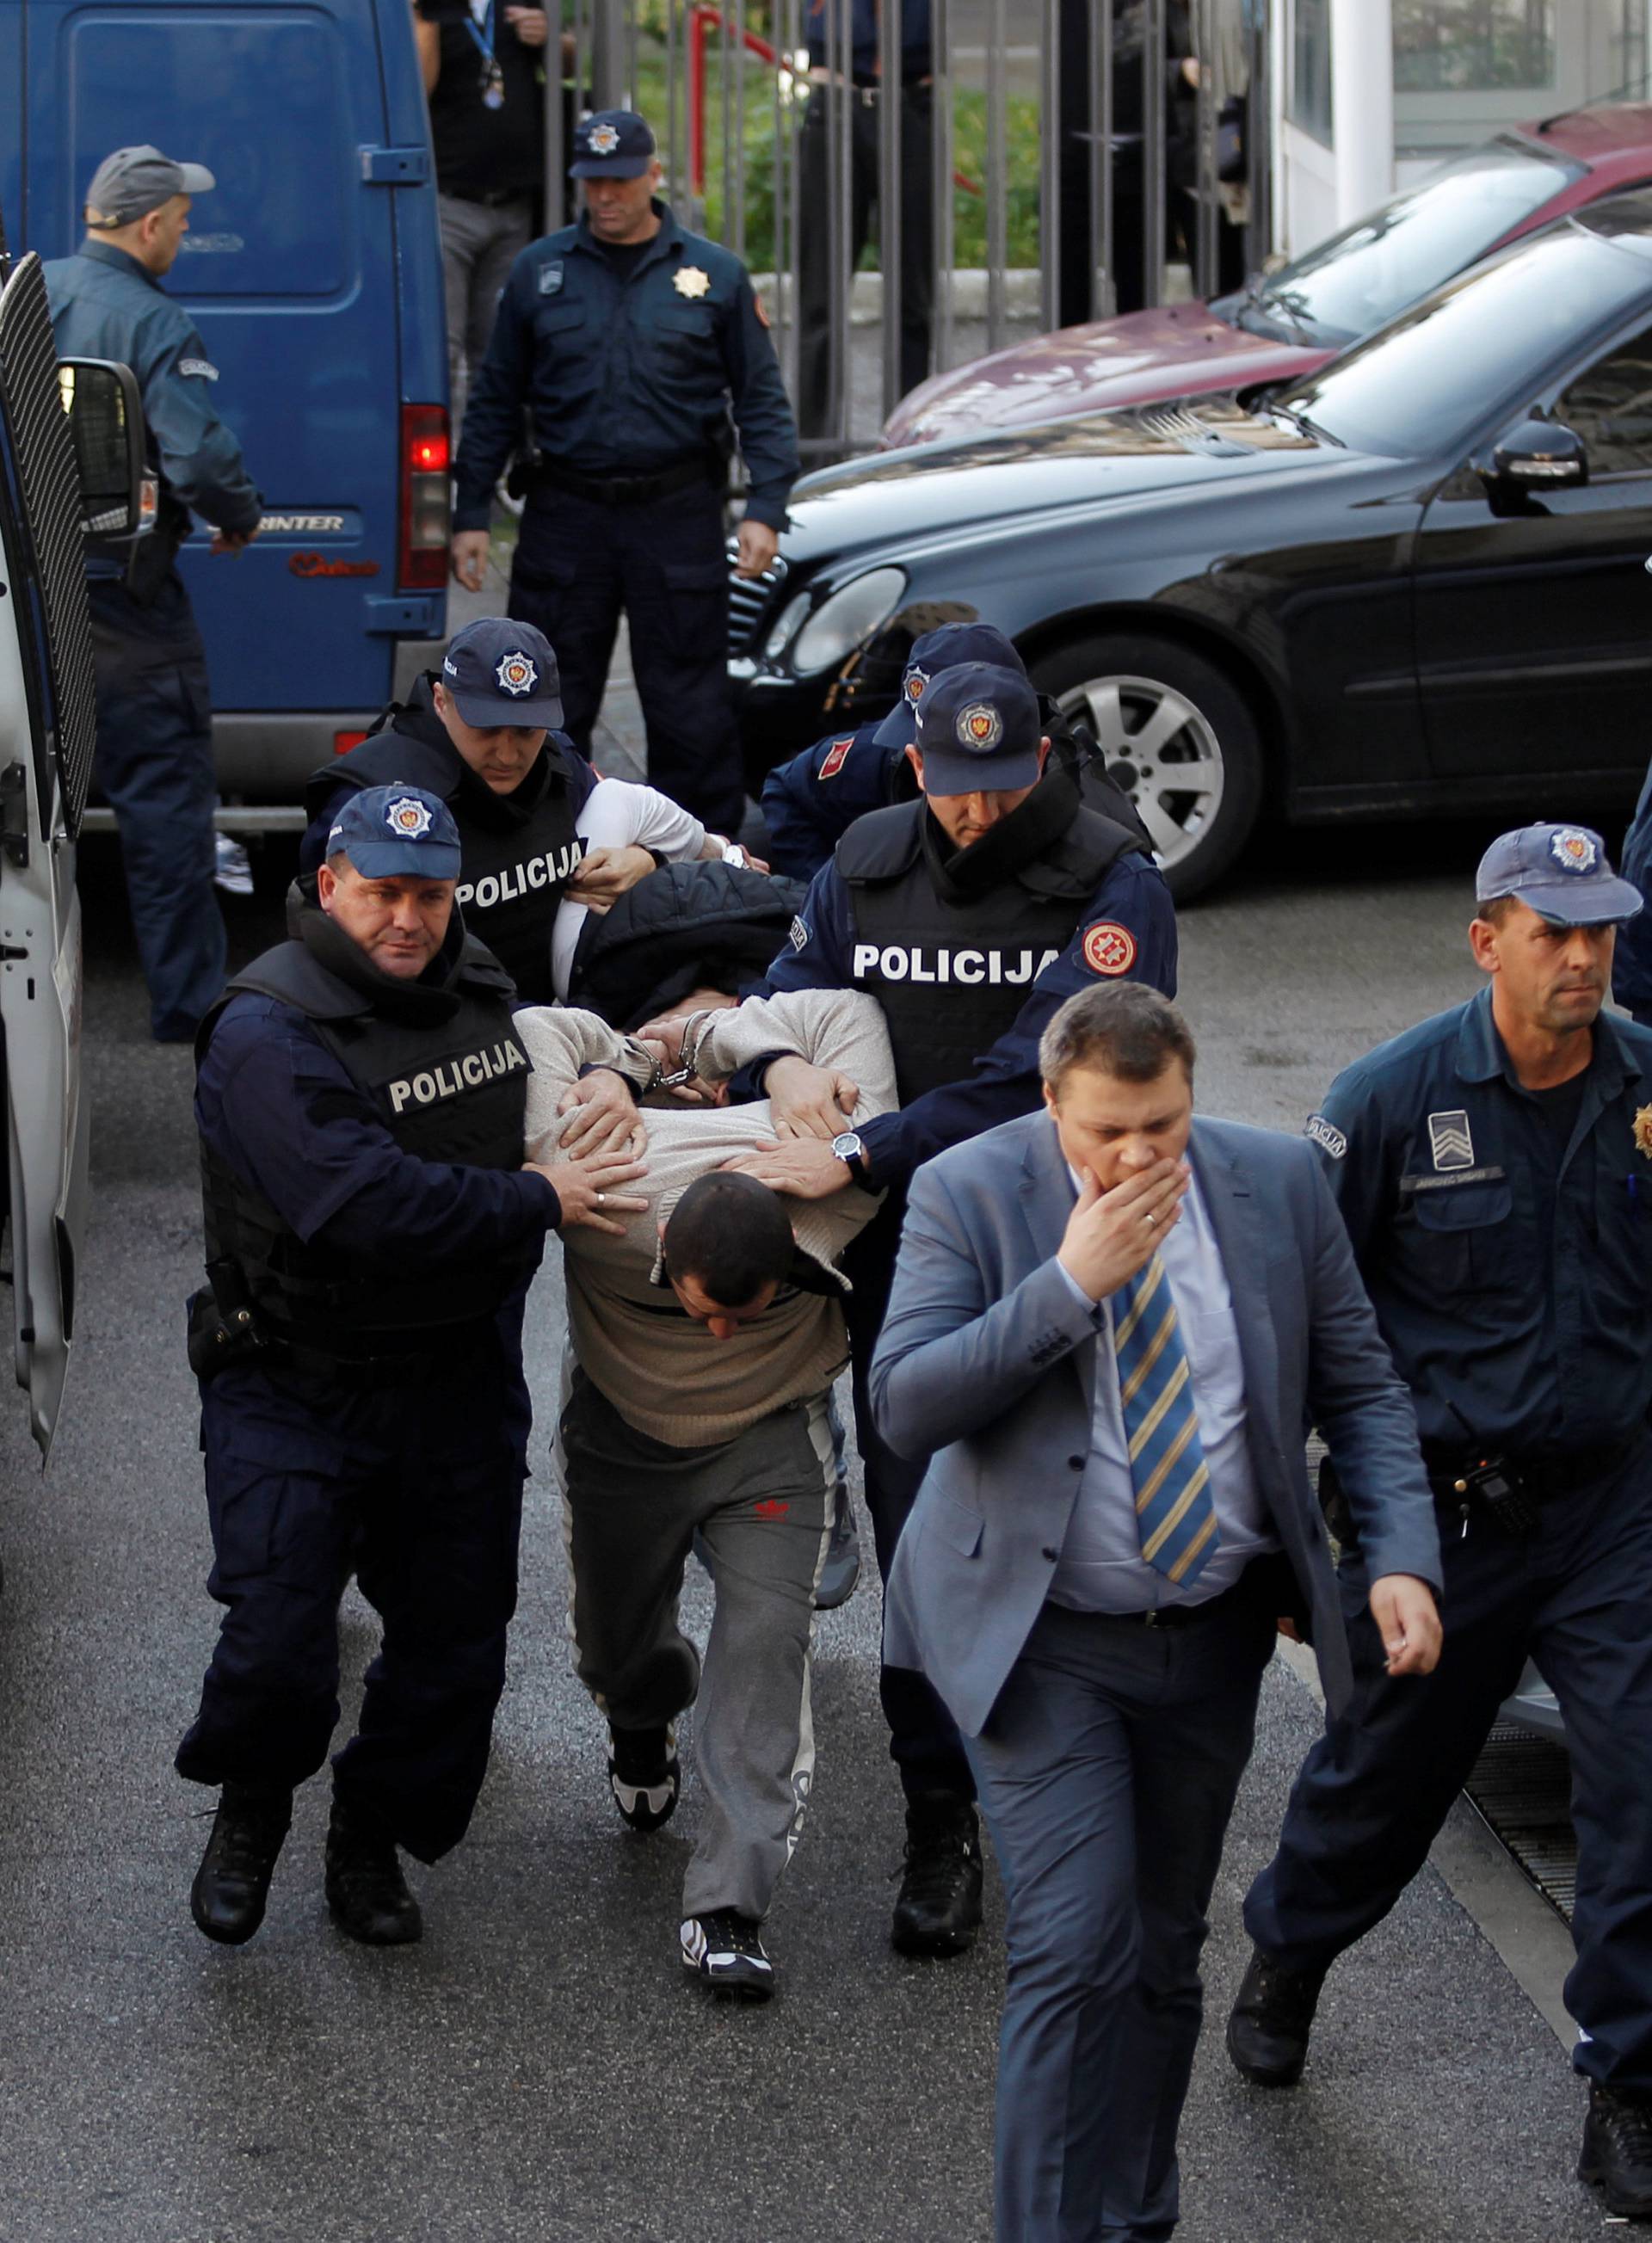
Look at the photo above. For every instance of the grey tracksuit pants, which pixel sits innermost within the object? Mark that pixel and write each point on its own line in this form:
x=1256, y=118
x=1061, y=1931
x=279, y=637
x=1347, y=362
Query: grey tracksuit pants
x=763, y=1504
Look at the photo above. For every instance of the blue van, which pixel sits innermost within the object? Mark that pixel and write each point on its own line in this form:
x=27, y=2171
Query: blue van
x=313, y=272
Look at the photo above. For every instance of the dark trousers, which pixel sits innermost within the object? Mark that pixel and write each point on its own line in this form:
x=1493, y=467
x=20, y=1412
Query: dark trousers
x=817, y=362
x=924, y=1741
x=578, y=566
x=154, y=766
x=1375, y=1789
x=419, y=1488
x=1107, y=1771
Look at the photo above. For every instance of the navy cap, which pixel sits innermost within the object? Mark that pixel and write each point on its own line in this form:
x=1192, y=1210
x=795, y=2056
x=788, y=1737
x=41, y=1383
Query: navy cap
x=501, y=672
x=935, y=651
x=978, y=730
x=1561, y=871
x=616, y=144
x=134, y=181
x=397, y=833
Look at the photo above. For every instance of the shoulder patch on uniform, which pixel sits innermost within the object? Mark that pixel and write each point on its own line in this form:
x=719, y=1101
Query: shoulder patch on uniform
x=550, y=277
x=836, y=755
x=1110, y=949
x=1326, y=1135
x=1452, y=1140
x=798, y=937
x=205, y=368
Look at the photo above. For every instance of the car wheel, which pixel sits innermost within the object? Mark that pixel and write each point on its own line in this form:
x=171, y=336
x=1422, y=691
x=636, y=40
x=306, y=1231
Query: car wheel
x=1175, y=734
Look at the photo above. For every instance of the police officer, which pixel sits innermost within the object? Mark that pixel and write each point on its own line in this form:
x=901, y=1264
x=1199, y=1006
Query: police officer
x=630, y=341
x=370, y=1232
x=1495, y=1170
x=970, y=913
x=154, y=759
x=810, y=802
x=483, y=736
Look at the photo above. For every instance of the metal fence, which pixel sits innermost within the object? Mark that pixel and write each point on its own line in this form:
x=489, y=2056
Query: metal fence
x=1042, y=164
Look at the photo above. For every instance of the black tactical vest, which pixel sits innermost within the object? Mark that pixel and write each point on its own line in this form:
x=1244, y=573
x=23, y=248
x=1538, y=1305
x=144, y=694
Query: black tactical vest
x=449, y=1081
x=952, y=976
x=518, y=853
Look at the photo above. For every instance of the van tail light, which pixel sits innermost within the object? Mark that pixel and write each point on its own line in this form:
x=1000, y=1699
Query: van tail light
x=343, y=742
x=422, y=562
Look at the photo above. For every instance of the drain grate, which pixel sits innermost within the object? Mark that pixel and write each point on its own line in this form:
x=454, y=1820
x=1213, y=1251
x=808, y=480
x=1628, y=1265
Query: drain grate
x=1522, y=1786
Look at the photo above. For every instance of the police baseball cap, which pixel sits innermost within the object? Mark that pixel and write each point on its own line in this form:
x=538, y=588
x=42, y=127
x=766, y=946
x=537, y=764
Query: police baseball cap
x=397, y=833
x=134, y=181
x=978, y=730
x=501, y=672
x=935, y=651
x=616, y=144
x=1561, y=871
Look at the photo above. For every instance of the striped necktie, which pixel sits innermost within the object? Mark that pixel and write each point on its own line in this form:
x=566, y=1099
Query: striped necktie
x=1175, y=1515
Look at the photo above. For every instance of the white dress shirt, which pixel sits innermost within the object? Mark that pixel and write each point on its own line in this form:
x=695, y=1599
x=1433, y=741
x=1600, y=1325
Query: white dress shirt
x=1102, y=1569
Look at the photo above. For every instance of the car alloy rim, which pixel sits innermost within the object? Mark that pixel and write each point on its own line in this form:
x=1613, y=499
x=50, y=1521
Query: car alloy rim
x=1161, y=750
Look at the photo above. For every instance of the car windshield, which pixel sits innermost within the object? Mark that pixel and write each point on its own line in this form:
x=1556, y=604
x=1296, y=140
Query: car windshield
x=1424, y=384
x=1361, y=277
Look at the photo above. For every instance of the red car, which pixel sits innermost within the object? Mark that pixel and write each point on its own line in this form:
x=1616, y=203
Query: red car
x=1288, y=323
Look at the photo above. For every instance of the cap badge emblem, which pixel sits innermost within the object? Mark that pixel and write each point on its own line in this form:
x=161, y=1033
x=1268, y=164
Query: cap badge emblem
x=407, y=816
x=692, y=282
x=515, y=673
x=603, y=139
x=1572, y=850
x=979, y=725
x=917, y=685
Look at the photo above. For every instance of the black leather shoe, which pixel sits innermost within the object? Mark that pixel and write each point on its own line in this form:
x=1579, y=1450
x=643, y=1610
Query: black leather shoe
x=1617, y=2151
x=232, y=1882
x=938, y=1910
x=366, y=1890
x=1269, y=2027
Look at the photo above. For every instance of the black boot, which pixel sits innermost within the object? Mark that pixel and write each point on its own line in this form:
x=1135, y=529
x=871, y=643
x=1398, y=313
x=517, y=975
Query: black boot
x=366, y=1890
x=1617, y=2150
x=232, y=1882
x=1271, y=2021
x=939, y=1911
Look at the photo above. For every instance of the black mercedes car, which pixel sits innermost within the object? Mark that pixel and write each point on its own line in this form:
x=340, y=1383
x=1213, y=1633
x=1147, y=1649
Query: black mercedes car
x=1411, y=582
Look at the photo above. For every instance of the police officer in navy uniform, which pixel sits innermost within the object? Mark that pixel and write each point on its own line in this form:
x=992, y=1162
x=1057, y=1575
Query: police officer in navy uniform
x=631, y=342
x=970, y=913
x=1495, y=1170
x=810, y=802
x=154, y=759
x=483, y=736
x=370, y=1233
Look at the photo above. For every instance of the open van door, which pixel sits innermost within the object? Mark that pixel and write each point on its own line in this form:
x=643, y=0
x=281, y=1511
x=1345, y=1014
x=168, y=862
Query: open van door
x=48, y=727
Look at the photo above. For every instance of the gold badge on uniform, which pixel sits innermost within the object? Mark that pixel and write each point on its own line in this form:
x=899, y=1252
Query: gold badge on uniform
x=691, y=282
x=1644, y=1131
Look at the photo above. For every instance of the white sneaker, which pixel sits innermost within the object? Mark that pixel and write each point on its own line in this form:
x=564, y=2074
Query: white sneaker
x=234, y=870
x=723, y=1948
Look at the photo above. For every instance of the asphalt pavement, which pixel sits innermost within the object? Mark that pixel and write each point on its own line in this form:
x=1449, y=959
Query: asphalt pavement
x=538, y=2068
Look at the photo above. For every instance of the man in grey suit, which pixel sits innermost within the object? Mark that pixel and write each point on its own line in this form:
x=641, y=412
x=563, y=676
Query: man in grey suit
x=1111, y=1326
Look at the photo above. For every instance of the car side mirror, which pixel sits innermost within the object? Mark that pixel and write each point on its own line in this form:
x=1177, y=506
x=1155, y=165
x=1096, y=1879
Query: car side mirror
x=105, y=410
x=1538, y=456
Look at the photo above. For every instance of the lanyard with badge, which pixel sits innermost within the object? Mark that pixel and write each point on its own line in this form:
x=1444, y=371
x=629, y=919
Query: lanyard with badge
x=480, y=25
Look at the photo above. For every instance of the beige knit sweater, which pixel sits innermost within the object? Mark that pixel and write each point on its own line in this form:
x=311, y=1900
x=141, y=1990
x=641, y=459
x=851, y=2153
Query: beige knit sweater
x=664, y=1373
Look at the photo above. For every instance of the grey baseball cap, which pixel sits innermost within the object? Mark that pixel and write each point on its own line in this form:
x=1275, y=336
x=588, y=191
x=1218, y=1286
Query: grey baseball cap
x=134, y=181
x=1561, y=871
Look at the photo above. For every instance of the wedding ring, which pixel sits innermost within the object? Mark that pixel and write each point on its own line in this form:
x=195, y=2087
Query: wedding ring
x=1146, y=1218
x=602, y=1201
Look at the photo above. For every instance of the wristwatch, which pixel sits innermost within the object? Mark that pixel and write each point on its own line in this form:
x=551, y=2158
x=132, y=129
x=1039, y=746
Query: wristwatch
x=848, y=1147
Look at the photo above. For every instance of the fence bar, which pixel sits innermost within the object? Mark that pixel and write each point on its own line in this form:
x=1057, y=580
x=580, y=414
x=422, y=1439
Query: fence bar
x=1050, y=162
x=1155, y=95
x=556, y=147
x=943, y=211
x=997, y=180
x=787, y=40
x=1101, y=165
x=1208, y=207
x=1258, y=139
x=734, y=188
x=891, y=215
x=841, y=118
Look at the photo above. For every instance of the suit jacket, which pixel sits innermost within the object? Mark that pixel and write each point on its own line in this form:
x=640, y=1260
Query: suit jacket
x=987, y=1366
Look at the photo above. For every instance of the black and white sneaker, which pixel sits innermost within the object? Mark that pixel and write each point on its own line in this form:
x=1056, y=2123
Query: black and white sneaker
x=645, y=1775
x=724, y=1949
